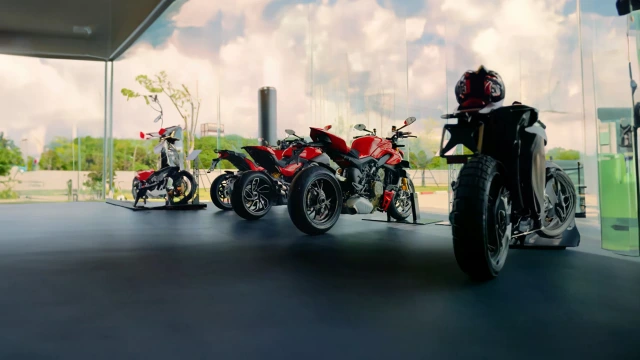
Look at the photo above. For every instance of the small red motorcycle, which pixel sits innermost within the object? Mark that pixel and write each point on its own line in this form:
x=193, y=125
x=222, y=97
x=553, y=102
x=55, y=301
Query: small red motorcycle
x=371, y=176
x=257, y=190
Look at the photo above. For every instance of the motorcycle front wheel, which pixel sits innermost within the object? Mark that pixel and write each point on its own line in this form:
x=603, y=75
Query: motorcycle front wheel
x=400, y=206
x=134, y=188
x=220, y=194
x=251, y=195
x=480, y=219
x=184, y=188
x=315, y=200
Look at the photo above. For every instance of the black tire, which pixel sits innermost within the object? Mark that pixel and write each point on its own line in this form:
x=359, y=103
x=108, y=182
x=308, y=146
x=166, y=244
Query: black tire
x=480, y=248
x=569, y=203
x=181, y=176
x=256, y=186
x=134, y=187
x=218, y=192
x=400, y=207
x=304, y=190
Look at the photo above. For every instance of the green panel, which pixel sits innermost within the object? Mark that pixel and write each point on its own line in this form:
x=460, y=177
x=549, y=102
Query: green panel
x=618, y=203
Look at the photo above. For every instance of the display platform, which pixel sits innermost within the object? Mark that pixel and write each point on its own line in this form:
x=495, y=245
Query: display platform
x=155, y=206
x=570, y=238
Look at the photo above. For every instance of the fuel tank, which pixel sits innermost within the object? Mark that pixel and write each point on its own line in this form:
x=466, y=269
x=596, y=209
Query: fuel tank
x=376, y=147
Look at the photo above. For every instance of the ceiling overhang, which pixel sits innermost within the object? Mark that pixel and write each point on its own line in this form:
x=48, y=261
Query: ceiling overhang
x=99, y=30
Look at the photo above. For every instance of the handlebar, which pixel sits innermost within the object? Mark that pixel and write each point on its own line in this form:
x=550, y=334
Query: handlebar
x=542, y=124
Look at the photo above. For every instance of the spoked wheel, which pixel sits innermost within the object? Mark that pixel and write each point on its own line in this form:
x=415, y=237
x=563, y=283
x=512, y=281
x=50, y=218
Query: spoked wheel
x=252, y=195
x=480, y=219
x=315, y=200
x=560, y=203
x=400, y=207
x=220, y=191
x=183, y=188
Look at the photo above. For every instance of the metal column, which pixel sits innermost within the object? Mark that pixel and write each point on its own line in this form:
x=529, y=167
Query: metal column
x=267, y=115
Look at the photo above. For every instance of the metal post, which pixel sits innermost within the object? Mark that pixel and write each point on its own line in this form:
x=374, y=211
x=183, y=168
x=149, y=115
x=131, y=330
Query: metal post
x=267, y=115
x=111, y=154
x=105, y=142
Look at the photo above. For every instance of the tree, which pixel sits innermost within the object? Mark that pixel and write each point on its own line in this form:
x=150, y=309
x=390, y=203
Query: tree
x=187, y=104
x=10, y=155
x=419, y=161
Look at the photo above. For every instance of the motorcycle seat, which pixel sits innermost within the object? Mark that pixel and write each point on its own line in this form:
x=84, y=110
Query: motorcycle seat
x=143, y=175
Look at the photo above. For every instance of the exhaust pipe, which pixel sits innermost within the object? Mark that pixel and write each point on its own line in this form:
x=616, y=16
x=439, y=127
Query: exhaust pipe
x=359, y=205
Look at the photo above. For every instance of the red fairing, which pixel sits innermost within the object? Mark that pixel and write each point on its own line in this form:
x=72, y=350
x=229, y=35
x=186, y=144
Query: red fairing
x=144, y=175
x=252, y=165
x=368, y=146
x=290, y=170
x=280, y=153
x=337, y=143
x=388, y=198
x=376, y=147
x=310, y=153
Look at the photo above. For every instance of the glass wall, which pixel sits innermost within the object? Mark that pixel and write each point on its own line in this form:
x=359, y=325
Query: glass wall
x=611, y=66
x=52, y=129
x=346, y=62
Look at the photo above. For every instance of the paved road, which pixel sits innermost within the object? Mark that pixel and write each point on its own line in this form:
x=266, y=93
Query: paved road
x=94, y=281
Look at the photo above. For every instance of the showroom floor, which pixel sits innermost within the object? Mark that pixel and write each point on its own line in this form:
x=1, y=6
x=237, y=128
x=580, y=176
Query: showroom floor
x=95, y=281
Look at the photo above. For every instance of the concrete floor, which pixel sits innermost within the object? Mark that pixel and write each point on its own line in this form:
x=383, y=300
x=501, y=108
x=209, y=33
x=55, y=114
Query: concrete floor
x=95, y=281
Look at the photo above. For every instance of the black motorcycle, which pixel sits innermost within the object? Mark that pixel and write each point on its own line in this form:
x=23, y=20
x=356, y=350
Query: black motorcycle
x=506, y=191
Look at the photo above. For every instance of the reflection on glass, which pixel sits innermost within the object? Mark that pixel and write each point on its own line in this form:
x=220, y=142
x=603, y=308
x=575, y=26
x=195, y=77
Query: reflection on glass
x=613, y=66
x=52, y=130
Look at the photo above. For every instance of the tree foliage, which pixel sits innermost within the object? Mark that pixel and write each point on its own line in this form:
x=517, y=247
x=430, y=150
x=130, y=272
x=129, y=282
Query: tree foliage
x=10, y=155
x=559, y=153
x=186, y=103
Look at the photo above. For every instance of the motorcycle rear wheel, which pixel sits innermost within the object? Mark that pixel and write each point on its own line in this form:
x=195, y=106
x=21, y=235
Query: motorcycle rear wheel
x=315, y=200
x=560, y=184
x=252, y=195
x=480, y=219
x=219, y=195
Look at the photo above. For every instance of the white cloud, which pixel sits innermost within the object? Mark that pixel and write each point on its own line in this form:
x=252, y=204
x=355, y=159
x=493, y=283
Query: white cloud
x=356, y=45
x=415, y=28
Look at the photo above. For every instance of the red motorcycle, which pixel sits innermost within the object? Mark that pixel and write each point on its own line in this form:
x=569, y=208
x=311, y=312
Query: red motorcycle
x=222, y=185
x=257, y=190
x=371, y=176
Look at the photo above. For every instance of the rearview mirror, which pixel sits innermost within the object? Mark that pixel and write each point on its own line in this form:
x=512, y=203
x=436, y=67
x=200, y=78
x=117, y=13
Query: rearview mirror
x=410, y=120
x=290, y=132
x=158, y=118
x=327, y=127
x=360, y=127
